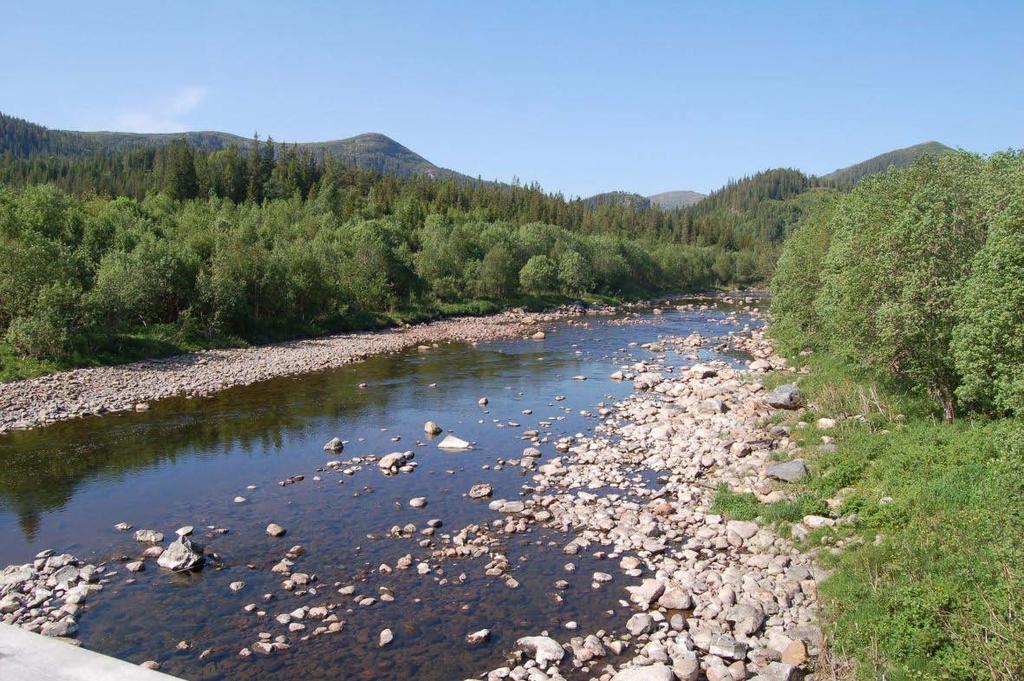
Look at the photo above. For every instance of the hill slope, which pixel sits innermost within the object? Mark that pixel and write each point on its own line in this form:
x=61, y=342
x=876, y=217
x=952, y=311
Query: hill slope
x=676, y=199
x=900, y=158
x=372, y=151
x=617, y=199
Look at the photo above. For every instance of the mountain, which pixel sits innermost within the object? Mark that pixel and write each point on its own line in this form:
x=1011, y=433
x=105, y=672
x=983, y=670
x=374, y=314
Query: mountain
x=372, y=151
x=899, y=158
x=617, y=199
x=677, y=199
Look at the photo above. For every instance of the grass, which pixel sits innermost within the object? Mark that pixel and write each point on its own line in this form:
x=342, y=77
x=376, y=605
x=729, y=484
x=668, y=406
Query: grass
x=929, y=584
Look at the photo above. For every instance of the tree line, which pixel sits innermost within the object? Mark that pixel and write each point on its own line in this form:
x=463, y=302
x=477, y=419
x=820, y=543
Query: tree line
x=917, y=273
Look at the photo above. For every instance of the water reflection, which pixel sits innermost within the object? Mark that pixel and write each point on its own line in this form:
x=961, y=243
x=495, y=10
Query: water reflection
x=185, y=460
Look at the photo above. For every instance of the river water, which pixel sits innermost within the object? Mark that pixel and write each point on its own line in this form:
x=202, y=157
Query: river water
x=184, y=461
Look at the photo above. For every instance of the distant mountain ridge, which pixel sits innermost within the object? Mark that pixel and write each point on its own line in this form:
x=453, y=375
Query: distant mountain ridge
x=664, y=201
x=676, y=199
x=372, y=151
x=898, y=158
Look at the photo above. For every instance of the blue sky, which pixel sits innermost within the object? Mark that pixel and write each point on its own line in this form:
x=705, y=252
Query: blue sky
x=579, y=96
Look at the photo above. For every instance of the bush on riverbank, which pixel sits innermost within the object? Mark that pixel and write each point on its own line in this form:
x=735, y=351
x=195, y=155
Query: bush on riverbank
x=910, y=259
x=907, y=293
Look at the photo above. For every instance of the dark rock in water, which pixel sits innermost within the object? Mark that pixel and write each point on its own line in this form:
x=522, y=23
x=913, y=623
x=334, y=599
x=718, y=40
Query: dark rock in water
x=786, y=396
x=790, y=471
x=334, y=445
x=182, y=555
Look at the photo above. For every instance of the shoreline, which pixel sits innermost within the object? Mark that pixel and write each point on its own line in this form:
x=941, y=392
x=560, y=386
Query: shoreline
x=94, y=391
x=700, y=596
x=709, y=597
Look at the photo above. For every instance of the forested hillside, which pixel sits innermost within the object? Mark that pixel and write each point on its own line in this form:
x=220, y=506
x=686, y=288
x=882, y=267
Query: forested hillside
x=371, y=151
x=904, y=298
x=109, y=238
x=898, y=158
x=114, y=254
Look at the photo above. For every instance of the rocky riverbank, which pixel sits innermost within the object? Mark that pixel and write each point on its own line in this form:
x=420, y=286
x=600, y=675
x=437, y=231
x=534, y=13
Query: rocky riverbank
x=711, y=598
x=48, y=595
x=87, y=392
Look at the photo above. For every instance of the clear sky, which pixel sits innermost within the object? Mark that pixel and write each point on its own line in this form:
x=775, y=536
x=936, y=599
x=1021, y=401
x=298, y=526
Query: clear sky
x=580, y=96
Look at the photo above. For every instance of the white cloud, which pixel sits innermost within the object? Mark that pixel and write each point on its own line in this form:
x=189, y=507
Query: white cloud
x=167, y=114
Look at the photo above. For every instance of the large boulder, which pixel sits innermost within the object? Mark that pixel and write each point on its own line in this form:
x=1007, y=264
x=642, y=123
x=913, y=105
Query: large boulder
x=542, y=649
x=182, y=555
x=786, y=396
x=788, y=471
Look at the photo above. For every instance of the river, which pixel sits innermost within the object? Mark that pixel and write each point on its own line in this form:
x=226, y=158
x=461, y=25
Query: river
x=184, y=461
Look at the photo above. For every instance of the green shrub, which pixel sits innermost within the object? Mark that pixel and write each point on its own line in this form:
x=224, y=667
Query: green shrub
x=902, y=244
x=539, y=275
x=988, y=341
x=797, y=280
x=575, y=274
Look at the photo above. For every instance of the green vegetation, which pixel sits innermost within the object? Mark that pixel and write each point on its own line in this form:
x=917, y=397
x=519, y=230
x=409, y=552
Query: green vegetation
x=115, y=246
x=904, y=263
x=906, y=293
x=897, y=158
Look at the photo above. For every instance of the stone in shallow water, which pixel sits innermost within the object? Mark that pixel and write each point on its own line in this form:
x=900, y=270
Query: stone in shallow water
x=275, y=530
x=334, y=445
x=182, y=555
x=542, y=649
x=452, y=442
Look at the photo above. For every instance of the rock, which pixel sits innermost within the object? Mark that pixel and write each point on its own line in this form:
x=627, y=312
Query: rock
x=646, y=593
x=452, y=442
x=61, y=628
x=686, y=666
x=240, y=500
x=478, y=637
x=334, y=445
x=483, y=403
x=184, y=531
x=391, y=462
x=703, y=371
x=149, y=536
x=236, y=586
x=786, y=396
x=727, y=647
x=480, y=491
x=816, y=522
x=539, y=335
x=747, y=618
x=675, y=598
x=777, y=671
x=542, y=649
x=122, y=527
x=182, y=555
x=788, y=471
x=795, y=653
x=418, y=502
x=743, y=528
x=640, y=623
x=275, y=530
x=826, y=423
x=135, y=566
x=386, y=637
x=431, y=428
x=653, y=672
